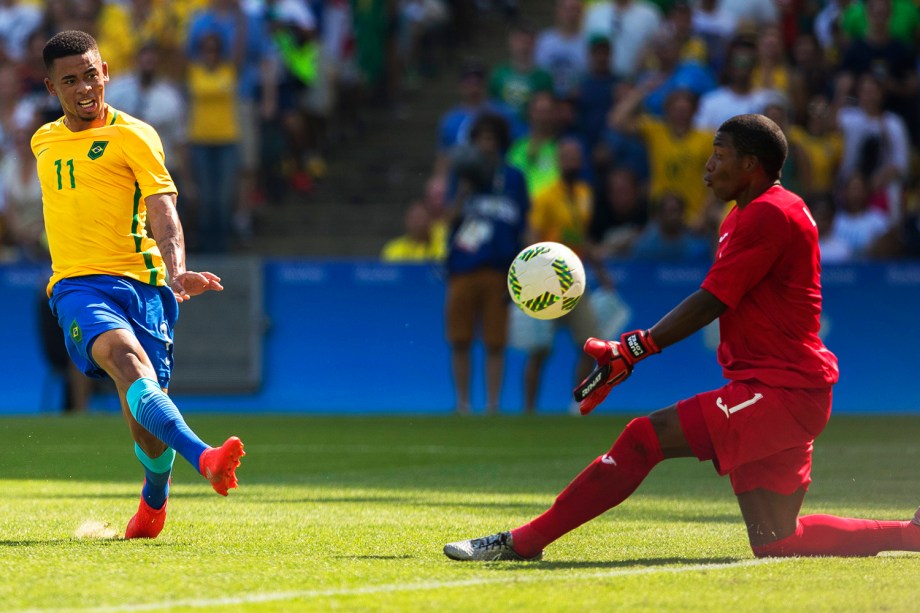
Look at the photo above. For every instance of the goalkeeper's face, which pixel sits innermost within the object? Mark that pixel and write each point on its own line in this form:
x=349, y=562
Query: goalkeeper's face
x=78, y=81
x=728, y=172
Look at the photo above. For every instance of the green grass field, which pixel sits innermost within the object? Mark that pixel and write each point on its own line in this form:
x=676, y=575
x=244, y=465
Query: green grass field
x=351, y=514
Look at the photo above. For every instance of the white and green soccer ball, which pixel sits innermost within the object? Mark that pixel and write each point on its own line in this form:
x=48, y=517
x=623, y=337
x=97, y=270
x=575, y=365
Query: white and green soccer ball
x=546, y=280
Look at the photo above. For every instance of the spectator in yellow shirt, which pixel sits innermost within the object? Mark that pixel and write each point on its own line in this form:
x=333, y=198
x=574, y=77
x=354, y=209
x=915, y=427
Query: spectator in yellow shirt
x=213, y=135
x=676, y=149
x=821, y=143
x=423, y=241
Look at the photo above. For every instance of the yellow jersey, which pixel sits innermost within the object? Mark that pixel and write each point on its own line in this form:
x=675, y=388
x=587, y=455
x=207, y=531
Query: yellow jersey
x=94, y=183
x=824, y=153
x=778, y=79
x=560, y=215
x=677, y=163
x=212, y=104
x=406, y=249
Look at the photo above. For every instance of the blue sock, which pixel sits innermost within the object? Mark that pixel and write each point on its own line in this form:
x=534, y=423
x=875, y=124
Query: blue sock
x=154, y=410
x=157, y=471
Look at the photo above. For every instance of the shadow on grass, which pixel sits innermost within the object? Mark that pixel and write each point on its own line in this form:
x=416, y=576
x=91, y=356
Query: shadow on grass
x=403, y=500
x=96, y=542
x=402, y=557
x=664, y=515
x=116, y=496
x=661, y=514
x=36, y=543
x=636, y=565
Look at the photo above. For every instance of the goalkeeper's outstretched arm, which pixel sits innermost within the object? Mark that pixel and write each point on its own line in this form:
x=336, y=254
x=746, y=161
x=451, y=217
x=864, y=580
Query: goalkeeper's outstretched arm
x=695, y=312
x=616, y=359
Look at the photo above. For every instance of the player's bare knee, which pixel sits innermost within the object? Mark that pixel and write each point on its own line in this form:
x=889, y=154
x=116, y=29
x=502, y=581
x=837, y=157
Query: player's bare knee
x=666, y=424
x=121, y=357
x=772, y=547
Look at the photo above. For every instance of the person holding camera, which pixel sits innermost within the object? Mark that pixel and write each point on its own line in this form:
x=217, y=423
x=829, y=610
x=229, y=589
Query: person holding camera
x=487, y=221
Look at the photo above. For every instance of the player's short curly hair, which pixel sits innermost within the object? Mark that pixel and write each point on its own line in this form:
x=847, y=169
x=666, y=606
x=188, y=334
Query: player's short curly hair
x=67, y=43
x=759, y=136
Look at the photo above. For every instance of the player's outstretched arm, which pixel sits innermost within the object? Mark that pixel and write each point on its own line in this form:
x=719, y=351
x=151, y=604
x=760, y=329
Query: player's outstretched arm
x=167, y=231
x=696, y=311
x=616, y=359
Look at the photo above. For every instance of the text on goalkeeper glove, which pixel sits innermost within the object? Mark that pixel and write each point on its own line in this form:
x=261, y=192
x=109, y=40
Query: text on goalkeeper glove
x=637, y=345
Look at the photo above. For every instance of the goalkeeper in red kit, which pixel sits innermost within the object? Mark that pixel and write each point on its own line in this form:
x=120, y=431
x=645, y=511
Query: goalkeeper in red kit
x=759, y=429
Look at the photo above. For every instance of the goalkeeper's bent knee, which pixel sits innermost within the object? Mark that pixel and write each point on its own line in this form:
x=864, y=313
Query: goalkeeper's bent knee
x=640, y=442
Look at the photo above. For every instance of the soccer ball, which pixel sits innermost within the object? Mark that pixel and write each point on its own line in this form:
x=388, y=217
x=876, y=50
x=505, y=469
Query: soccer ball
x=546, y=280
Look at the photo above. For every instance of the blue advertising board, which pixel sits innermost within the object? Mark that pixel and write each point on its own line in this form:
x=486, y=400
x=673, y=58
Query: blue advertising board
x=355, y=337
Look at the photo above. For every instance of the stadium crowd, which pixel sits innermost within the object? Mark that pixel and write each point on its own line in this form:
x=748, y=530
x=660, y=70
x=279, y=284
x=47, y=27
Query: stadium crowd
x=245, y=94
x=643, y=84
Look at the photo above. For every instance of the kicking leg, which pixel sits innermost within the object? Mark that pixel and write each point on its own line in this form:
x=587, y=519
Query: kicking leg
x=604, y=484
x=775, y=529
x=120, y=354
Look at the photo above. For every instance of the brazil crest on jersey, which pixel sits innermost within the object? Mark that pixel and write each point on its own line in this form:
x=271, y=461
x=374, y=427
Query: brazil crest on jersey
x=93, y=187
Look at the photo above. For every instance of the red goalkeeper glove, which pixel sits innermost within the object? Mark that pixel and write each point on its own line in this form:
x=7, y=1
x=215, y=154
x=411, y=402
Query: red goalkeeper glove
x=615, y=361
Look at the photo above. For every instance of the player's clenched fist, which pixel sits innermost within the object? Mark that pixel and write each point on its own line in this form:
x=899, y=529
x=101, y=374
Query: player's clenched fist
x=615, y=361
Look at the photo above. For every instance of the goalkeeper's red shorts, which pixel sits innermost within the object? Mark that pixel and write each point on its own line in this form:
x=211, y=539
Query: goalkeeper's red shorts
x=760, y=436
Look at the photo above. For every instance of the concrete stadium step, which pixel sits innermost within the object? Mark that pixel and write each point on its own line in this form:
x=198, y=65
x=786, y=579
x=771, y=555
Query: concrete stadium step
x=360, y=204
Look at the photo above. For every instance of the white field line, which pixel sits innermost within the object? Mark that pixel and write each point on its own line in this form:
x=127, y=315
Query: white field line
x=391, y=588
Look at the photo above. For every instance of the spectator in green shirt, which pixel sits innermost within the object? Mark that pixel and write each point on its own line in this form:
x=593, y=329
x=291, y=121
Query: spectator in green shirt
x=515, y=81
x=535, y=154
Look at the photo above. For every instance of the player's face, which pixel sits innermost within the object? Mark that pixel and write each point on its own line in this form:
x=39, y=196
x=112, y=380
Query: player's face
x=78, y=81
x=727, y=172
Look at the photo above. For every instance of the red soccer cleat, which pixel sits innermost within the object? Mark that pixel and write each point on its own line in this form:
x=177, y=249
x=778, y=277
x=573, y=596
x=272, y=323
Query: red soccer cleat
x=147, y=522
x=219, y=464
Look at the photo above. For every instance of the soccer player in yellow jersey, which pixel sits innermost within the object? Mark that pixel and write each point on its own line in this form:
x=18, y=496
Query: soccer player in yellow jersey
x=114, y=289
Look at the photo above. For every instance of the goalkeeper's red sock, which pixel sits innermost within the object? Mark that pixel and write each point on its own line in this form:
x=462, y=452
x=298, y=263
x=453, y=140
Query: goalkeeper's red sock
x=827, y=535
x=604, y=484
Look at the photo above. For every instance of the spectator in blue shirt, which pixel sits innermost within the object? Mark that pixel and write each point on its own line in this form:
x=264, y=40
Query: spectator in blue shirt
x=454, y=126
x=672, y=74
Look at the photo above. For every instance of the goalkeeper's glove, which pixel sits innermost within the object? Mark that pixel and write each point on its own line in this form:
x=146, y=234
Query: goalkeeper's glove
x=615, y=361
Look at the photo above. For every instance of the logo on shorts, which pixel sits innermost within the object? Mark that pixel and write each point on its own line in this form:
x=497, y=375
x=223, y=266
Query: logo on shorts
x=97, y=149
x=75, y=333
x=741, y=405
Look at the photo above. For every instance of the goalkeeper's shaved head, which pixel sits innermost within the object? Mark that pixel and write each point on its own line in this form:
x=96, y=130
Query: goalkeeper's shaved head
x=67, y=43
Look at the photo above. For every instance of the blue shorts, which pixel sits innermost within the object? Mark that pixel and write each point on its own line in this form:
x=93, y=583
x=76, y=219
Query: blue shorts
x=86, y=307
